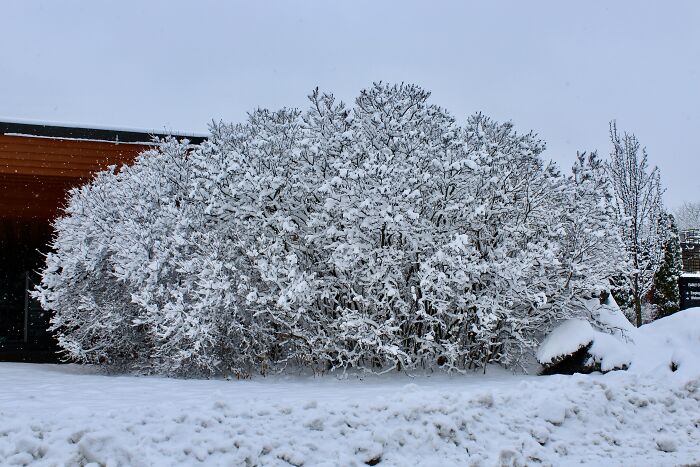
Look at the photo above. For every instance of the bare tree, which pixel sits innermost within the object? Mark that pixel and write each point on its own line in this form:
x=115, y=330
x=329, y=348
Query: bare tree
x=688, y=216
x=639, y=208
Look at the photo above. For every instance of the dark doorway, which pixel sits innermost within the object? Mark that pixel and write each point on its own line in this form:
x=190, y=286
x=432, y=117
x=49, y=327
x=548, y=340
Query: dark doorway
x=23, y=324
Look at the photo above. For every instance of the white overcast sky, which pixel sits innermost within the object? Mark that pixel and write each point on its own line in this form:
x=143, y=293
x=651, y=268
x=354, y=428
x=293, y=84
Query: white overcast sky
x=563, y=69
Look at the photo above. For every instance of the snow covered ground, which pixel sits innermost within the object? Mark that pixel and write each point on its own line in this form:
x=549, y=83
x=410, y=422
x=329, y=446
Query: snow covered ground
x=69, y=415
x=57, y=415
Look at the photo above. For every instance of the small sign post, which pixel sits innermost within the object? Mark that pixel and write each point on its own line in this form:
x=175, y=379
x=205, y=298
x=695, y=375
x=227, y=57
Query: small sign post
x=689, y=285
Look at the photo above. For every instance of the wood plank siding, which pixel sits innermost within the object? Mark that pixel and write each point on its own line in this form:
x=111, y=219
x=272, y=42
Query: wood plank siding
x=40, y=162
x=37, y=172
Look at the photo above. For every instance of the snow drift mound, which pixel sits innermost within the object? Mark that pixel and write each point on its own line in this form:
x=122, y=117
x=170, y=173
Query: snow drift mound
x=670, y=344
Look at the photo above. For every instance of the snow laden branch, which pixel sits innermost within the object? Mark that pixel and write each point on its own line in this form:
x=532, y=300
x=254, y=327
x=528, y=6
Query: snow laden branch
x=380, y=236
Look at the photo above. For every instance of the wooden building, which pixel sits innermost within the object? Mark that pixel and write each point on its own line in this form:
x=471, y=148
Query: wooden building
x=690, y=248
x=39, y=163
x=689, y=282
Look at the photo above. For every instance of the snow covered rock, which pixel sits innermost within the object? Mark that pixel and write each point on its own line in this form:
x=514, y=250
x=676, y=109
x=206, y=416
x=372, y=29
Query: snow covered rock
x=666, y=445
x=575, y=347
x=665, y=346
x=568, y=338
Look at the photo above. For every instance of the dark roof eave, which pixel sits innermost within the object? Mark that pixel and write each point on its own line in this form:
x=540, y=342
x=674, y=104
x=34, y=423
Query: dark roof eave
x=97, y=134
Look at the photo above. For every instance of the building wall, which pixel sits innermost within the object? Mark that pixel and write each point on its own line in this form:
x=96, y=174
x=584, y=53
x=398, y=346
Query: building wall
x=36, y=172
x=35, y=176
x=691, y=257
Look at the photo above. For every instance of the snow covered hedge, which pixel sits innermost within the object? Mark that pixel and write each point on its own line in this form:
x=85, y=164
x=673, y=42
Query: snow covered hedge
x=382, y=236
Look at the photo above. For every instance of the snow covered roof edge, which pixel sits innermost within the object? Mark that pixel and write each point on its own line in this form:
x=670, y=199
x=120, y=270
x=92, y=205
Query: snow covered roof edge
x=81, y=132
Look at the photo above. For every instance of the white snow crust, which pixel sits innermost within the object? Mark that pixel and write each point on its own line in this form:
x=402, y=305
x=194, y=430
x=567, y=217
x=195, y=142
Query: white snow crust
x=671, y=340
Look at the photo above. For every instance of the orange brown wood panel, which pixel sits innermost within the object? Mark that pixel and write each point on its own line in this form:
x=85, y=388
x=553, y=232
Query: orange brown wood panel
x=36, y=173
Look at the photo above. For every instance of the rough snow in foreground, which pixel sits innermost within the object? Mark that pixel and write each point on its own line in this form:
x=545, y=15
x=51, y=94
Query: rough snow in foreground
x=64, y=415
x=56, y=415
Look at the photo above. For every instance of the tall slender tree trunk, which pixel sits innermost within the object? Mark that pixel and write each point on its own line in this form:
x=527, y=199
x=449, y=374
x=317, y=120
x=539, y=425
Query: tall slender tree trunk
x=637, y=301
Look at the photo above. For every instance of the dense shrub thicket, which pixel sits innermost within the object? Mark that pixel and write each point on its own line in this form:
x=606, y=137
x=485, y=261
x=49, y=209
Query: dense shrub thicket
x=380, y=236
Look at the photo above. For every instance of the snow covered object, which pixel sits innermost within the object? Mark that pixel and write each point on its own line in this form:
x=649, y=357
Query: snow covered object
x=598, y=342
x=575, y=347
x=668, y=345
x=378, y=236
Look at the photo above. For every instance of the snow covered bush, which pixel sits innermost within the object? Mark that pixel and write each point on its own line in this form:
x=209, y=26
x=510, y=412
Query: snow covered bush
x=101, y=243
x=380, y=236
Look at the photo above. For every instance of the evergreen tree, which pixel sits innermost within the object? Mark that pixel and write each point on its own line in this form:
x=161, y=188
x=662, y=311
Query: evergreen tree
x=666, y=292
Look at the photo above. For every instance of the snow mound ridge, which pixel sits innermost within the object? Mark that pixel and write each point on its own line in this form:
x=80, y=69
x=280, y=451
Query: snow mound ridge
x=662, y=347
